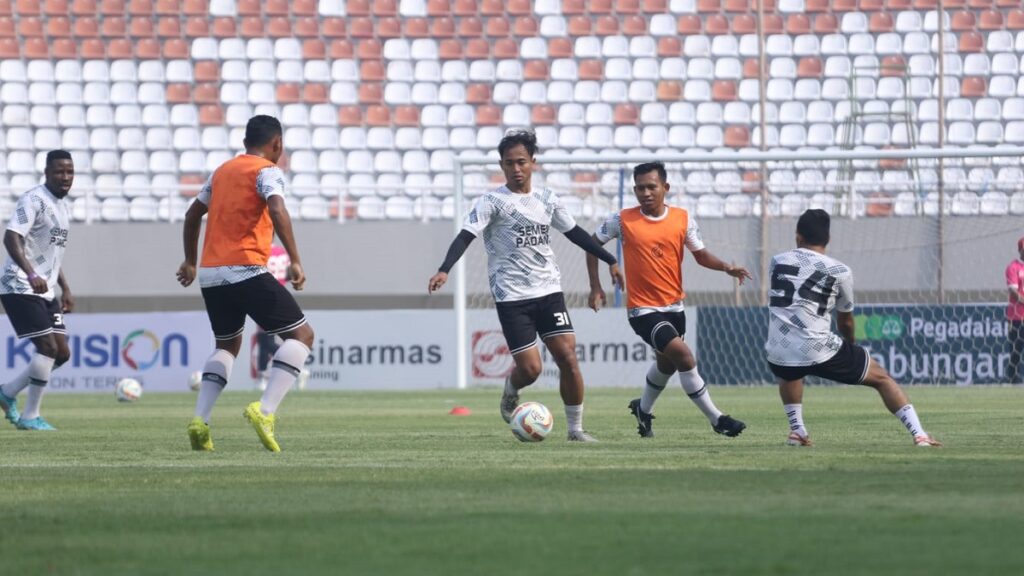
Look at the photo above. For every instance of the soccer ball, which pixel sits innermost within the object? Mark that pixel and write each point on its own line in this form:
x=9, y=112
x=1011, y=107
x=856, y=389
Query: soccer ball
x=531, y=422
x=194, y=380
x=128, y=390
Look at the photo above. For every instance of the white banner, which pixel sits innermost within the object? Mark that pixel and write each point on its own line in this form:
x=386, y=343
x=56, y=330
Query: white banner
x=158, y=349
x=609, y=352
x=371, y=350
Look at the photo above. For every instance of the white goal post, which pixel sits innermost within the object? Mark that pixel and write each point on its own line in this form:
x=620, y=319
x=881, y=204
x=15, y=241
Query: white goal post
x=844, y=191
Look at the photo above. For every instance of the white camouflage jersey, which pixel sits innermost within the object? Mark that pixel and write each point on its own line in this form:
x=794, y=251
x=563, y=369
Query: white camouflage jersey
x=42, y=220
x=516, y=230
x=269, y=182
x=805, y=287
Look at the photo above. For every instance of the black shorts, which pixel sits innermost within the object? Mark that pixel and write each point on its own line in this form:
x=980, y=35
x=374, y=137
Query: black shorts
x=523, y=320
x=33, y=316
x=848, y=366
x=262, y=298
x=659, y=328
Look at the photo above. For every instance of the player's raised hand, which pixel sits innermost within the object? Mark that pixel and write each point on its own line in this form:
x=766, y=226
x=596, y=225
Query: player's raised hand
x=596, y=299
x=296, y=275
x=186, y=274
x=617, y=278
x=739, y=272
x=436, y=281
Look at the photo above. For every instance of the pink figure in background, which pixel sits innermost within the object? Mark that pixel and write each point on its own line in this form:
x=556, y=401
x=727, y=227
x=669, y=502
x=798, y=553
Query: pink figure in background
x=278, y=263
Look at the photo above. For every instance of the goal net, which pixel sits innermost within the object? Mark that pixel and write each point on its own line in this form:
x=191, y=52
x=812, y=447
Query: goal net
x=927, y=233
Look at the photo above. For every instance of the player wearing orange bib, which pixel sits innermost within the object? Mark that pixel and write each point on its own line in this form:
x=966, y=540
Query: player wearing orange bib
x=654, y=236
x=243, y=202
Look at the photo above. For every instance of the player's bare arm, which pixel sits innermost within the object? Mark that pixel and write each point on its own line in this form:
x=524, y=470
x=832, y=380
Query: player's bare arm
x=67, y=301
x=455, y=251
x=15, y=245
x=708, y=260
x=597, y=297
x=1016, y=295
x=283, y=228
x=844, y=322
x=190, y=239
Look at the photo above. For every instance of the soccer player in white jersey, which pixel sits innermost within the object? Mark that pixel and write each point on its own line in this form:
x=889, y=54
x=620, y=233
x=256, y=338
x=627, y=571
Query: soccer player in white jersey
x=515, y=221
x=35, y=240
x=654, y=236
x=806, y=285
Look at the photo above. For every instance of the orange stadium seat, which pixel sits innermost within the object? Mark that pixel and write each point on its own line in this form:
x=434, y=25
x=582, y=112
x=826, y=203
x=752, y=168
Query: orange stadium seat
x=991, y=20
x=971, y=42
x=280, y=27
x=492, y=7
x=634, y=26
x=211, y=115
x=1015, y=19
x=179, y=93
x=772, y=24
x=357, y=7
x=169, y=7
x=744, y=24
x=251, y=27
x=815, y=6
x=417, y=28
x=168, y=27
x=369, y=50
x=303, y=7
x=341, y=49
x=58, y=27
x=471, y=27
x=844, y=5
x=560, y=48
x=205, y=71
x=27, y=8
x=7, y=27
x=723, y=91
x=306, y=27
x=519, y=8
x=488, y=115
x=438, y=8
x=880, y=22
x=655, y=6
x=287, y=93
x=195, y=7
x=716, y=25
x=591, y=70
x=140, y=7
x=378, y=116
x=525, y=26
x=450, y=49
x=797, y=24
x=809, y=67
x=350, y=116
x=334, y=28
x=580, y=26
x=372, y=71
x=196, y=27
x=751, y=68
x=826, y=24
x=627, y=6
x=370, y=93
x=929, y=4
x=895, y=5
x=979, y=3
x=443, y=27
x=973, y=87
x=206, y=93
x=709, y=6
x=478, y=93
x=737, y=6
x=465, y=8
x=175, y=48
x=113, y=27
x=36, y=48
x=879, y=205
x=385, y=8
x=314, y=49
x=249, y=8
x=389, y=27
x=9, y=48
x=543, y=115
x=607, y=26
x=498, y=26
x=141, y=28
x=737, y=136
x=669, y=47
x=407, y=116
x=670, y=91
x=599, y=6
x=626, y=115
x=112, y=8
x=893, y=66
x=147, y=49
x=30, y=26
x=224, y=27
x=120, y=48
x=871, y=5
x=571, y=7
x=93, y=49
x=688, y=24
x=506, y=48
x=536, y=70
x=962, y=21
x=64, y=49
x=277, y=8
x=84, y=8
x=56, y=8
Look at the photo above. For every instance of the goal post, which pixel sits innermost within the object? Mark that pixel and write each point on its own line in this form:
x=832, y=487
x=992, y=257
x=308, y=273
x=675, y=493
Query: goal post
x=927, y=232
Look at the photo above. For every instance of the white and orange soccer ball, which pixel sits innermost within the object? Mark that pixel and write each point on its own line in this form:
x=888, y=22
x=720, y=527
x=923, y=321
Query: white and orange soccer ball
x=195, y=379
x=531, y=422
x=128, y=390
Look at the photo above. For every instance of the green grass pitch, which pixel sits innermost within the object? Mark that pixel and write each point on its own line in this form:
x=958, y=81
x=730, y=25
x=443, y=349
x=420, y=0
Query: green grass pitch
x=388, y=483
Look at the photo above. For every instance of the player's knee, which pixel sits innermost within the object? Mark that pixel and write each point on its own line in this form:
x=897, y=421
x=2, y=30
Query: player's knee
x=63, y=355
x=529, y=370
x=303, y=334
x=46, y=346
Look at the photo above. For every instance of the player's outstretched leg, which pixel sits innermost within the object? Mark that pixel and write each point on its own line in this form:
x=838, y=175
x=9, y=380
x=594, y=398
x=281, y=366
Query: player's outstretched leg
x=898, y=403
x=216, y=373
x=681, y=356
x=525, y=371
x=51, y=352
x=286, y=366
x=658, y=375
x=792, y=394
x=570, y=384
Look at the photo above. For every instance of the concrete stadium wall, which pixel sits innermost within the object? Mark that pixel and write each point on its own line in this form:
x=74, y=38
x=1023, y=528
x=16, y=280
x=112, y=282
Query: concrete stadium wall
x=128, y=267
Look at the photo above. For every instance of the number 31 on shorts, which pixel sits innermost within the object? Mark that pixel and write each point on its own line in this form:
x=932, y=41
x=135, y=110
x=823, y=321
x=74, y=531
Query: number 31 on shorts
x=561, y=318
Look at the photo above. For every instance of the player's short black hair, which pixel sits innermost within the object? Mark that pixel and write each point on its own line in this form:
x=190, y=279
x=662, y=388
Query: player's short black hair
x=523, y=137
x=53, y=155
x=261, y=129
x=814, y=226
x=658, y=167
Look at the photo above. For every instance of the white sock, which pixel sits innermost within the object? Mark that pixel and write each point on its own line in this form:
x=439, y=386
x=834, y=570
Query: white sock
x=34, y=400
x=574, y=418
x=908, y=416
x=216, y=373
x=287, y=364
x=656, y=382
x=38, y=370
x=795, y=414
x=694, y=387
